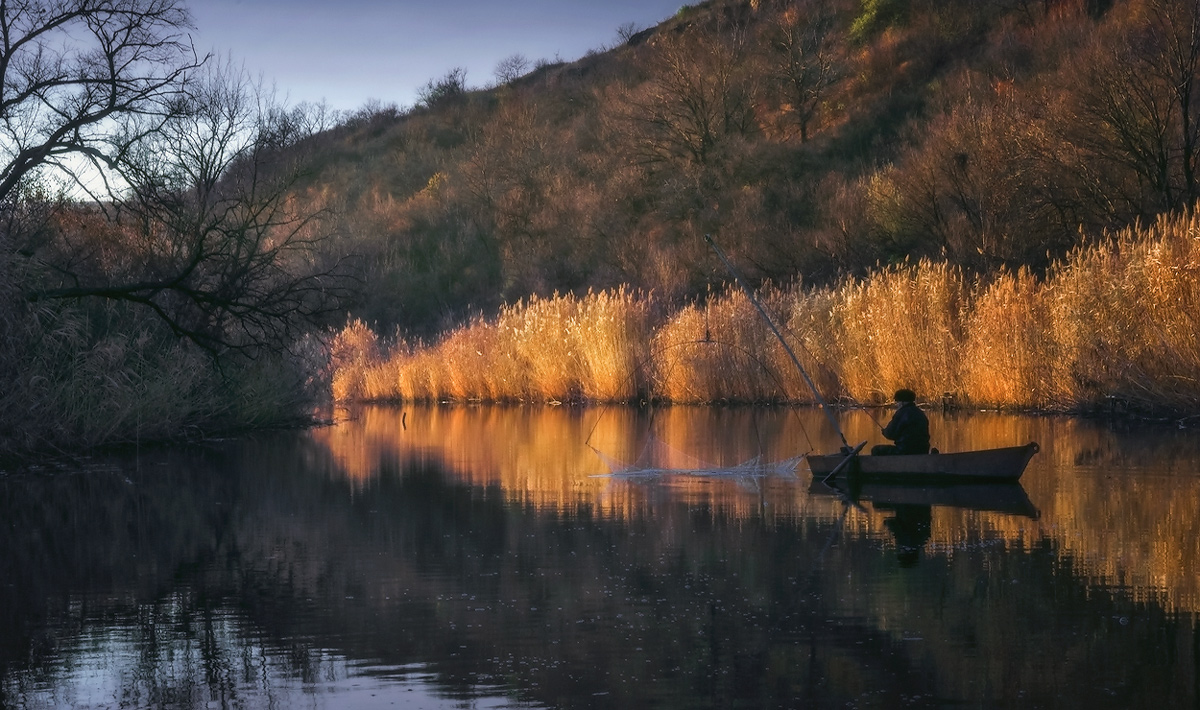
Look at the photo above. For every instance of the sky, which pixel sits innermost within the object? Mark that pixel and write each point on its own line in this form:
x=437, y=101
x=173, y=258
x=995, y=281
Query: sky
x=346, y=52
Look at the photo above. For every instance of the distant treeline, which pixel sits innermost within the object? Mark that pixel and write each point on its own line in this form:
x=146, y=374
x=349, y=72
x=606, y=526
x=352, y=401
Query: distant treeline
x=1114, y=324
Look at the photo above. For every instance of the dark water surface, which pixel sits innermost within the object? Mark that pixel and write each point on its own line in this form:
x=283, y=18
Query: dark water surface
x=471, y=557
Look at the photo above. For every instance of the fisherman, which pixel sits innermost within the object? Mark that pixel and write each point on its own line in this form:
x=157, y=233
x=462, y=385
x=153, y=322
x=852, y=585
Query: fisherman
x=909, y=428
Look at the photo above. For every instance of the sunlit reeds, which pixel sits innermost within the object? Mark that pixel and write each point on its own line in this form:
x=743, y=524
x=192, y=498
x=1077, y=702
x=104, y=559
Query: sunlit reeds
x=716, y=350
x=1011, y=356
x=613, y=331
x=1115, y=322
x=557, y=349
x=901, y=327
x=1127, y=313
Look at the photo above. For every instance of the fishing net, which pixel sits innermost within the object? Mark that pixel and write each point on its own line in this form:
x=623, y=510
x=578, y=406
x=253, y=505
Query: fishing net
x=657, y=459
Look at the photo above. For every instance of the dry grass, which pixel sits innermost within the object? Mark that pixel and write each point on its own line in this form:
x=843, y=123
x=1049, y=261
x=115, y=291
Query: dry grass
x=1011, y=357
x=354, y=349
x=901, y=327
x=1114, y=321
x=1126, y=314
x=716, y=350
x=563, y=348
x=613, y=332
x=68, y=388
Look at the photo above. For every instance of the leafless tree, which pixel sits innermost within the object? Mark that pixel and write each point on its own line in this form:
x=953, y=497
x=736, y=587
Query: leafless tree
x=193, y=219
x=72, y=69
x=700, y=97
x=1139, y=111
x=511, y=68
x=803, y=63
x=627, y=31
x=213, y=243
x=438, y=92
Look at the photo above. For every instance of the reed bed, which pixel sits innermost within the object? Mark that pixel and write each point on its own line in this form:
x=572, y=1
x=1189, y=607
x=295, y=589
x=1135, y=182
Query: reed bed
x=716, y=350
x=1127, y=314
x=808, y=325
x=556, y=349
x=1114, y=322
x=613, y=333
x=903, y=326
x=1011, y=357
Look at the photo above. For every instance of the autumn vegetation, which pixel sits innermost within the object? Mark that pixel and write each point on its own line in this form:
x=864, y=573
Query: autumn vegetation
x=1112, y=325
x=991, y=201
x=157, y=275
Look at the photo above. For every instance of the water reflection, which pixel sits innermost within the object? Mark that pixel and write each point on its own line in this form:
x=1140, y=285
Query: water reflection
x=911, y=505
x=1122, y=504
x=466, y=556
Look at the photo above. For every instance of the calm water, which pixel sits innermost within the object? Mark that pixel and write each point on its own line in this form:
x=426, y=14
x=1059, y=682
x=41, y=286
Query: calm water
x=477, y=557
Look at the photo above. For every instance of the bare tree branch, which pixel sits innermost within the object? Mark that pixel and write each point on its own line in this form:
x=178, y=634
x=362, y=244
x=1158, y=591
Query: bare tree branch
x=69, y=69
x=215, y=245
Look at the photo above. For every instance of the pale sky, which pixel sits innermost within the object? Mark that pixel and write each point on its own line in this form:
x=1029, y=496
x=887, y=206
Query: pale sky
x=348, y=51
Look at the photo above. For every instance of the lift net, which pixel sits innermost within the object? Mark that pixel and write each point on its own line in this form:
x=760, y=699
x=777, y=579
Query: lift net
x=658, y=459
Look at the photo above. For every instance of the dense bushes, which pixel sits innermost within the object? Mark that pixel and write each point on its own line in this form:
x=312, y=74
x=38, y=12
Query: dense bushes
x=73, y=377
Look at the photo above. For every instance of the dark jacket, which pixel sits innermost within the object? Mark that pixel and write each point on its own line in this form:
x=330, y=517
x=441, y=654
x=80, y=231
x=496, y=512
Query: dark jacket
x=909, y=428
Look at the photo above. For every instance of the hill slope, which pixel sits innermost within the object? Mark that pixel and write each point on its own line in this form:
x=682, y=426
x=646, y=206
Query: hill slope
x=812, y=139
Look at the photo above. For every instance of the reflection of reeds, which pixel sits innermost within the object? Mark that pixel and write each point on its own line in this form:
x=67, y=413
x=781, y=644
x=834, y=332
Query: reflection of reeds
x=1115, y=321
x=1121, y=509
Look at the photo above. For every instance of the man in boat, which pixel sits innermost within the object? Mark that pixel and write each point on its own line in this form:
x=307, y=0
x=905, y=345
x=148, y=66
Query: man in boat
x=909, y=428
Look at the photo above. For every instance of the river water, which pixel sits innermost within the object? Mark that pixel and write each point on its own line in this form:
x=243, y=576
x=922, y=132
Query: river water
x=480, y=557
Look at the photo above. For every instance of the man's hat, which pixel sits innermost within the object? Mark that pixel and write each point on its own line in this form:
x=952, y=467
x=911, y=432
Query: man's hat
x=906, y=396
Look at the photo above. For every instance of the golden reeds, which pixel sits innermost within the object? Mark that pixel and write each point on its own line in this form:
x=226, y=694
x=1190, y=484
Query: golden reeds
x=901, y=327
x=1127, y=312
x=1116, y=321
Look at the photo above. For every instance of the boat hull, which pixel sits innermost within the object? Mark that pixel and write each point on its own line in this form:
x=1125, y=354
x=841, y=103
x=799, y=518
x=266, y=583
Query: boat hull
x=1006, y=464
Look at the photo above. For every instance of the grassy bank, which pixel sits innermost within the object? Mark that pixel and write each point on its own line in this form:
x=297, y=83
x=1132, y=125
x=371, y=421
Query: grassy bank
x=1112, y=322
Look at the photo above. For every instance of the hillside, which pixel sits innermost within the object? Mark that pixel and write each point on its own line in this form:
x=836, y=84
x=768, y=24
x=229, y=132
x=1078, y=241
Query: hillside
x=814, y=139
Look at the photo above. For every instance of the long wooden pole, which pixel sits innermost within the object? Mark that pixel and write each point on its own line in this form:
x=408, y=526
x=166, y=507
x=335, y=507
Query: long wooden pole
x=771, y=324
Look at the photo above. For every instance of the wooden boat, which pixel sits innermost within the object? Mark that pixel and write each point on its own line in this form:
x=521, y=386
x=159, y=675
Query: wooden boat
x=1006, y=464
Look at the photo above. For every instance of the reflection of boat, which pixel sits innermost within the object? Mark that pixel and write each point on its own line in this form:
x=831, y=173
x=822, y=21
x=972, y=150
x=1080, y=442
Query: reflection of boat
x=1007, y=498
x=1005, y=464
x=912, y=505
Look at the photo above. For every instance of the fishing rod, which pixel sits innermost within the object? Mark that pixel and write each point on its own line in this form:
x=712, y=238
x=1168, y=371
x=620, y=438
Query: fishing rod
x=787, y=348
x=872, y=418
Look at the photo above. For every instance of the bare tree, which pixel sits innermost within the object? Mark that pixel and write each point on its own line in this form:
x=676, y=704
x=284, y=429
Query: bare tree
x=193, y=220
x=213, y=244
x=451, y=87
x=700, y=97
x=511, y=68
x=627, y=31
x=1139, y=105
x=803, y=64
x=71, y=69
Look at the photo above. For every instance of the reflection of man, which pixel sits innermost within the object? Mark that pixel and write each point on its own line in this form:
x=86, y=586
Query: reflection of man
x=912, y=526
x=909, y=428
